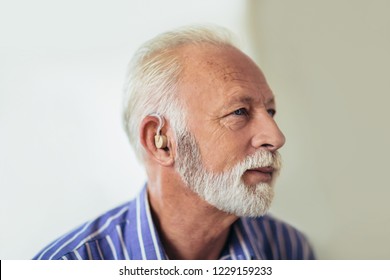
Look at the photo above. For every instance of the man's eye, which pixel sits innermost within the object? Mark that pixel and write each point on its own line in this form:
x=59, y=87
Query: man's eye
x=271, y=112
x=241, y=112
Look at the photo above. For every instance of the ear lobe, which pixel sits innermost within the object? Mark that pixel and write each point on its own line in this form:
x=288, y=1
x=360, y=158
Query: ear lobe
x=156, y=145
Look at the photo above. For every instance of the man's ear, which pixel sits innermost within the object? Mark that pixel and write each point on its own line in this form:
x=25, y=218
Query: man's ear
x=148, y=132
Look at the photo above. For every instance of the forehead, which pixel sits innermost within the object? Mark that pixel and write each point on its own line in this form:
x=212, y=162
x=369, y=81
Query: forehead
x=216, y=75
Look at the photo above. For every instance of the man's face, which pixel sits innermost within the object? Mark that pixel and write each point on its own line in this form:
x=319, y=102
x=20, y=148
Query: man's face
x=230, y=110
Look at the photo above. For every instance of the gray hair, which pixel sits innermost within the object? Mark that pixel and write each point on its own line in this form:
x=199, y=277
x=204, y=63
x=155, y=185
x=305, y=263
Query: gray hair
x=154, y=73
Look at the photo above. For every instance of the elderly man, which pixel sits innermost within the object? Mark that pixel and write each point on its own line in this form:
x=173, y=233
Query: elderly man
x=200, y=116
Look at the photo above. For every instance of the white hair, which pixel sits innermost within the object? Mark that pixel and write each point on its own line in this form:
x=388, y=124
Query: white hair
x=153, y=75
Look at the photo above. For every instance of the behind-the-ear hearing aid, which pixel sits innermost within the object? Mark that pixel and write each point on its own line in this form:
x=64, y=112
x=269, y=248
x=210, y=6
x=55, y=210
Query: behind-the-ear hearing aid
x=160, y=141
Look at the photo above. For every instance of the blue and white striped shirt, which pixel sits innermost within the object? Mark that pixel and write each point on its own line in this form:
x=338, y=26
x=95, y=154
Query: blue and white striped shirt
x=128, y=232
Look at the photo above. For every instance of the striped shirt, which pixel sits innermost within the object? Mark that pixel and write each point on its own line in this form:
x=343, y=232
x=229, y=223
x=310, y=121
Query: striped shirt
x=128, y=232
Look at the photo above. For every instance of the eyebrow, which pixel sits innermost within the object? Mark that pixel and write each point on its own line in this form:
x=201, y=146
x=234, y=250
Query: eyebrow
x=246, y=100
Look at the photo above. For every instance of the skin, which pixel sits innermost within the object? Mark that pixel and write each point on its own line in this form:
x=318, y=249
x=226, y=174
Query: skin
x=230, y=108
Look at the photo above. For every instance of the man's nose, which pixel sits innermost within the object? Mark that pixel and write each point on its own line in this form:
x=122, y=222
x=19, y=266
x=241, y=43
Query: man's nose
x=267, y=134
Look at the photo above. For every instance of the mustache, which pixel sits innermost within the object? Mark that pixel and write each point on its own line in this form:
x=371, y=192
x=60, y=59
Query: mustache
x=262, y=158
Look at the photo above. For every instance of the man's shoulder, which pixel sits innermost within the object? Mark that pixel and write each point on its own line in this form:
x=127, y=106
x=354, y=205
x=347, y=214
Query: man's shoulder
x=73, y=244
x=278, y=239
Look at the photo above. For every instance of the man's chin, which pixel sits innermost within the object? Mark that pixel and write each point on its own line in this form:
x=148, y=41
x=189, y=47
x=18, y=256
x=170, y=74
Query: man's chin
x=243, y=201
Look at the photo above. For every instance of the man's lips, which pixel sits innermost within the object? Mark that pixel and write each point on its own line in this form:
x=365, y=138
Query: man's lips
x=260, y=174
x=267, y=169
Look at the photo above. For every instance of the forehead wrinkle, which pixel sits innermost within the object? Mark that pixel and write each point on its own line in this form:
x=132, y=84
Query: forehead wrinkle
x=232, y=75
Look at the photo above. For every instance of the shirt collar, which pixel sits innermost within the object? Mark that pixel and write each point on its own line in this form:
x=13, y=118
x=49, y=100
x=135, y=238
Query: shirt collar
x=242, y=243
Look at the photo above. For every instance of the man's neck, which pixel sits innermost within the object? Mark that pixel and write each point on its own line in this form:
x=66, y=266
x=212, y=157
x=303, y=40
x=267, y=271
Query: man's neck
x=189, y=227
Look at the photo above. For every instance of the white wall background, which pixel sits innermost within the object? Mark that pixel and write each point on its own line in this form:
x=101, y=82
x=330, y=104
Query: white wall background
x=328, y=62
x=65, y=159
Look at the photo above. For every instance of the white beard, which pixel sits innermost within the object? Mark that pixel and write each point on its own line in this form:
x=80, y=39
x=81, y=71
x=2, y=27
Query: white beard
x=226, y=190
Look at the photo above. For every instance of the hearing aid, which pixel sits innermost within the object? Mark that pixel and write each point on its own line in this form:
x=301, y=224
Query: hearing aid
x=160, y=141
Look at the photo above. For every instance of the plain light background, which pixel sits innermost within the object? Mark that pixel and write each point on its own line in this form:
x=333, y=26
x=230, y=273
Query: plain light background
x=64, y=157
